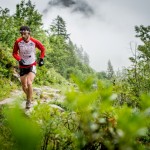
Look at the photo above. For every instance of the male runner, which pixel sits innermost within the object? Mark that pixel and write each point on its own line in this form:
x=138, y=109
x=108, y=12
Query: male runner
x=25, y=53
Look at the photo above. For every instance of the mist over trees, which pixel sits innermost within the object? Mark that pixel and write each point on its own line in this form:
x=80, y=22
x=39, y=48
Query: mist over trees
x=102, y=110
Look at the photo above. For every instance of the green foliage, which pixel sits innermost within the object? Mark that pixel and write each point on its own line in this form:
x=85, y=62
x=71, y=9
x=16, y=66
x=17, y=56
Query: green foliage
x=103, y=125
x=135, y=79
x=25, y=134
x=6, y=139
x=143, y=33
x=57, y=127
x=7, y=33
x=82, y=55
x=91, y=120
x=47, y=76
x=6, y=87
x=7, y=64
x=101, y=75
x=6, y=61
x=26, y=14
x=64, y=59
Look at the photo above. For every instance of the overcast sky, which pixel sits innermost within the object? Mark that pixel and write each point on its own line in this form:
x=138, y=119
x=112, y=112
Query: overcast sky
x=104, y=28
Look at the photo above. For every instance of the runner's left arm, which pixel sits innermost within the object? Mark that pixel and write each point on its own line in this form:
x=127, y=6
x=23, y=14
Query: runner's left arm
x=40, y=46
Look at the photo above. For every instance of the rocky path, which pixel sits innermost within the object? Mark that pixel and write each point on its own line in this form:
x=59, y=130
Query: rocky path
x=44, y=94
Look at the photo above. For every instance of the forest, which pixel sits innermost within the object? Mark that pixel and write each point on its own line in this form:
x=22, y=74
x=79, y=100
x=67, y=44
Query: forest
x=107, y=110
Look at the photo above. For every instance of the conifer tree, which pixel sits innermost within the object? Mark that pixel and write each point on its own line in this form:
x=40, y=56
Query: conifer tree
x=110, y=70
x=58, y=27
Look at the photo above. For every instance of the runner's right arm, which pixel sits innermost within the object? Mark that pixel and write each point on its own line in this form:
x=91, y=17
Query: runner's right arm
x=15, y=51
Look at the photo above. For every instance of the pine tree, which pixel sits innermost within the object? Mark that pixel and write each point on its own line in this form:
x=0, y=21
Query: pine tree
x=110, y=70
x=58, y=27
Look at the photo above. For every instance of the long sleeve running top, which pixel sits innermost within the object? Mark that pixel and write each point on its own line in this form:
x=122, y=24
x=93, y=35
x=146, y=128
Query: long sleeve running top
x=27, y=52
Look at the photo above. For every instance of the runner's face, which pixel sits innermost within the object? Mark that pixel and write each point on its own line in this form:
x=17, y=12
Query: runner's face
x=25, y=35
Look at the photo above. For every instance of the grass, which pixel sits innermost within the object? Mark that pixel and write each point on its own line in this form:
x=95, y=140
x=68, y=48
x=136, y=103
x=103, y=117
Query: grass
x=6, y=87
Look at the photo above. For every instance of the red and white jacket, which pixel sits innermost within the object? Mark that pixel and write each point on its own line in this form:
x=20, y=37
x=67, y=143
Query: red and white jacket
x=27, y=52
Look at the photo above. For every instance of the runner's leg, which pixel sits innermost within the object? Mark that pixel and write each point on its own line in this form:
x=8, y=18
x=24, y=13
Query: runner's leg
x=30, y=78
x=24, y=83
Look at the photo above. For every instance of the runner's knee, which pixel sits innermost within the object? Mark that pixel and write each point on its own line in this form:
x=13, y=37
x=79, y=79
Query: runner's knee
x=30, y=78
x=29, y=82
x=24, y=86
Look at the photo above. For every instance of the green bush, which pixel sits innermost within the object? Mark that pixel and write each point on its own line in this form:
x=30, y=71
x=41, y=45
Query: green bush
x=103, y=124
x=23, y=134
x=7, y=61
x=6, y=87
x=46, y=76
x=7, y=64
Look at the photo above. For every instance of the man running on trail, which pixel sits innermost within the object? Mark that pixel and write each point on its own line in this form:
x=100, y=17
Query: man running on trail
x=25, y=53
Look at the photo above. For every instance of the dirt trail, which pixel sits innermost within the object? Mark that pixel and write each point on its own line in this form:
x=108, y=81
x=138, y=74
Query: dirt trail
x=45, y=94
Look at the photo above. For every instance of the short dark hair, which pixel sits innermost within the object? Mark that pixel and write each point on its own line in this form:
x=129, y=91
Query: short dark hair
x=24, y=28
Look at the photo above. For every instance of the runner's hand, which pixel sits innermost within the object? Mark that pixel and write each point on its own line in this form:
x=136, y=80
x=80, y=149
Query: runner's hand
x=41, y=62
x=22, y=62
